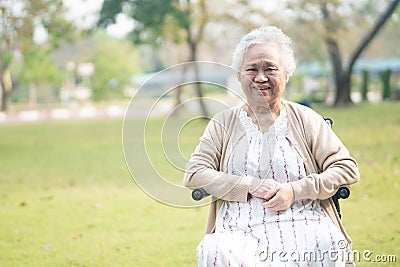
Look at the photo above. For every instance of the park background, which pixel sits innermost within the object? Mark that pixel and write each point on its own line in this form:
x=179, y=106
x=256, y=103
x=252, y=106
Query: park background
x=67, y=196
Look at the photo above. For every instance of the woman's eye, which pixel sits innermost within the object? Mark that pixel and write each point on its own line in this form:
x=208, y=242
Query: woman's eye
x=271, y=69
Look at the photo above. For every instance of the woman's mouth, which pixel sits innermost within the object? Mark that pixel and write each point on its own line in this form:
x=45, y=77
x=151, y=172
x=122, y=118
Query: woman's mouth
x=263, y=88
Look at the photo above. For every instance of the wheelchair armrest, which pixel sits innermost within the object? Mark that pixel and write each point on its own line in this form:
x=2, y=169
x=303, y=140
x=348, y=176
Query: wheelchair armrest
x=342, y=193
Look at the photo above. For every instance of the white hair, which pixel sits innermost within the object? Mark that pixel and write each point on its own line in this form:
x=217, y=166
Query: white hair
x=266, y=34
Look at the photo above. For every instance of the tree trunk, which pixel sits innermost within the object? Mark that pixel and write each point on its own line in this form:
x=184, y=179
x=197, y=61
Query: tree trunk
x=343, y=91
x=4, y=100
x=343, y=77
x=198, y=86
x=386, y=88
x=364, y=86
x=178, y=93
x=193, y=41
x=177, y=100
x=6, y=87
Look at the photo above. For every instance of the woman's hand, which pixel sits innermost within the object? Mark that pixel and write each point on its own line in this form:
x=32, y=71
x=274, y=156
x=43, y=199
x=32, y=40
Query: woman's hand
x=279, y=198
x=260, y=187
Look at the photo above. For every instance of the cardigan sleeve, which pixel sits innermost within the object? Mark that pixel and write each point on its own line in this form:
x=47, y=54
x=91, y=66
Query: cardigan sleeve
x=329, y=159
x=203, y=168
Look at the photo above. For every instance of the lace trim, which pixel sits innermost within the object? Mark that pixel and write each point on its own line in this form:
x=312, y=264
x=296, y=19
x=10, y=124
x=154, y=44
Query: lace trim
x=278, y=128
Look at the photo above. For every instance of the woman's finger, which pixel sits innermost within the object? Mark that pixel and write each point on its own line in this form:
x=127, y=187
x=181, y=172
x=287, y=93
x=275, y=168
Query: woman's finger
x=271, y=193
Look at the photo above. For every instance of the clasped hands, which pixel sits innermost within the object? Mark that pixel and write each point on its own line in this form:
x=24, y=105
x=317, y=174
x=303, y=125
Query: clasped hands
x=277, y=196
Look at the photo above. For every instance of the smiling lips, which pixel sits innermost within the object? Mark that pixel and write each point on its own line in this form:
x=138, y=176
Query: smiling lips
x=264, y=88
x=261, y=86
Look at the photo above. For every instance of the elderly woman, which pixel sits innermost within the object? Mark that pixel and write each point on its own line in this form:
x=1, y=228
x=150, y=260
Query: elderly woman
x=273, y=167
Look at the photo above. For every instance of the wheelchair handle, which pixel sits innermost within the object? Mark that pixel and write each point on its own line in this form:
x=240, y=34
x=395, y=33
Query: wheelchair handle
x=199, y=193
x=343, y=192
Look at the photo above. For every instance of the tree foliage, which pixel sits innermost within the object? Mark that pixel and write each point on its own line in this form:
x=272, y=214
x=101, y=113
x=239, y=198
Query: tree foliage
x=19, y=21
x=39, y=68
x=115, y=62
x=157, y=21
x=338, y=21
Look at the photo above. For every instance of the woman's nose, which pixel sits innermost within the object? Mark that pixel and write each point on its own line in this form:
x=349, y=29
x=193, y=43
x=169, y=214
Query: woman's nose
x=260, y=77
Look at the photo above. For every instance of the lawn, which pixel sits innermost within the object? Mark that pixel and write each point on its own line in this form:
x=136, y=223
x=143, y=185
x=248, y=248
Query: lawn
x=67, y=197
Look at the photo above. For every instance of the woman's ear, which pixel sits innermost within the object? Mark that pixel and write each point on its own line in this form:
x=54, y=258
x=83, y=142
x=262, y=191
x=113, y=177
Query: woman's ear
x=238, y=76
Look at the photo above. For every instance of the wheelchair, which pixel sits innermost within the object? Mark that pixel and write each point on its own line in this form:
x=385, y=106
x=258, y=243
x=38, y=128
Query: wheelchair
x=343, y=192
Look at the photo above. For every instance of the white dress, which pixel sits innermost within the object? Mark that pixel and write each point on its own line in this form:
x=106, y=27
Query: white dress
x=248, y=234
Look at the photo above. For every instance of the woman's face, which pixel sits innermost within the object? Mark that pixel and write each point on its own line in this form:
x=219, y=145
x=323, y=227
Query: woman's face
x=262, y=74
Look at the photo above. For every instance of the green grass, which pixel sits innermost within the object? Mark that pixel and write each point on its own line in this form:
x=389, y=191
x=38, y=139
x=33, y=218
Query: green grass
x=371, y=215
x=67, y=198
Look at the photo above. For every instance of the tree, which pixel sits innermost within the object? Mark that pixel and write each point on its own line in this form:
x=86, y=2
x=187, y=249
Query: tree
x=114, y=62
x=331, y=15
x=19, y=21
x=161, y=20
x=37, y=70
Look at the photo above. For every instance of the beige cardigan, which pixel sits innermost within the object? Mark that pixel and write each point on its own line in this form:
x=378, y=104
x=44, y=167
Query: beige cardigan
x=327, y=161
